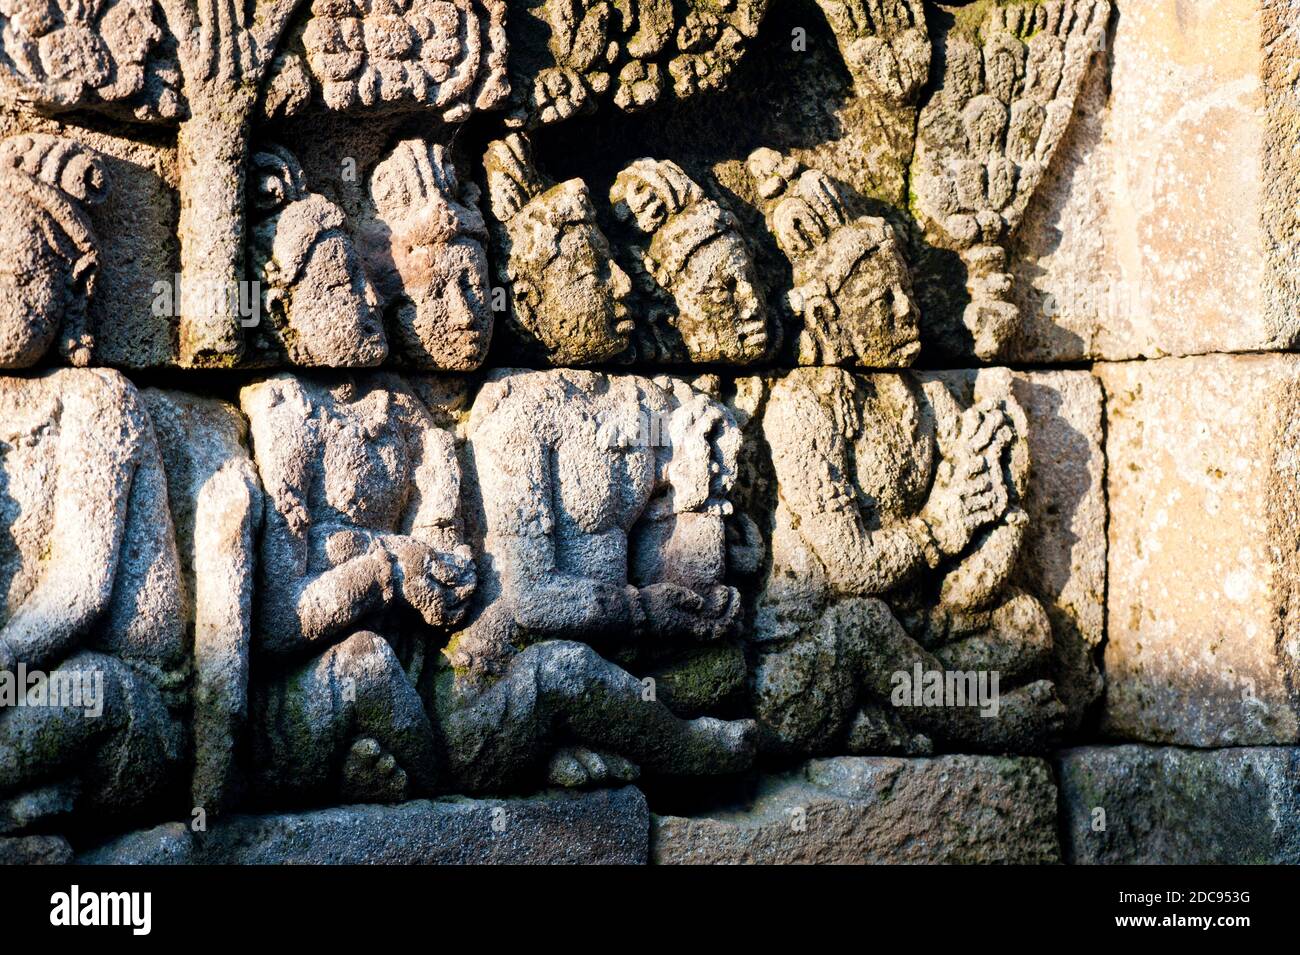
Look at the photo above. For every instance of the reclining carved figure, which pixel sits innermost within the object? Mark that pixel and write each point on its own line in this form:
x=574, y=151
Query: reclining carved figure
x=884, y=484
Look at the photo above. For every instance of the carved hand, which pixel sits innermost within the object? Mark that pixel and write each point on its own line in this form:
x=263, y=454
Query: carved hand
x=971, y=489
x=674, y=611
x=436, y=585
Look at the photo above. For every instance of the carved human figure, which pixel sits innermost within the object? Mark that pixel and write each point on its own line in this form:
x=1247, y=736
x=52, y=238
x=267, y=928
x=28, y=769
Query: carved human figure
x=424, y=252
x=93, y=598
x=885, y=485
x=690, y=251
x=51, y=262
x=321, y=308
x=852, y=288
x=567, y=294
x=361, y=533
x=592, y=534
x=362, y=529
x=987, y=136
x=566, y=57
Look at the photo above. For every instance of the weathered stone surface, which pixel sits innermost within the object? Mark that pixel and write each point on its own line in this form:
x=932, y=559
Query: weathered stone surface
x=1168, y=226
x=897, y=509
x=94, y=598
x=1011, y=75
x=568, y=57
x=215, y=499
x=169, y=844
x=35, y=805
x=1164, y=805
x=34, y=850
x=1063, y=559
x=1204, y=494
x=949, y=809
x=606, y=827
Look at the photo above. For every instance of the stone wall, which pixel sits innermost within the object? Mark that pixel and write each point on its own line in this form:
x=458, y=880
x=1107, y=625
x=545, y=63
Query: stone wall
x=533, y=431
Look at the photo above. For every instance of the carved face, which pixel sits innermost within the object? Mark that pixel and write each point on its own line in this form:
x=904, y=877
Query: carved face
x=876, y=310
x=580, y=312
x=859, y=304
x=445, y=318
x=721, y=314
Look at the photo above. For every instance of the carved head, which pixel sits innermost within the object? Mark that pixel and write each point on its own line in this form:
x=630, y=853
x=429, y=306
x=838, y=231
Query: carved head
x=852, y=287
x=48, y=272
x=696, y=254
x=567, y=291
x=426, y=256
x=699, y=461
x=322, y=307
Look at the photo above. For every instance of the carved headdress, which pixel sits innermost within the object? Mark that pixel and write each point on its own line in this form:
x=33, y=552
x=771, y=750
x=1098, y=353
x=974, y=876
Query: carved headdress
x=44, y=180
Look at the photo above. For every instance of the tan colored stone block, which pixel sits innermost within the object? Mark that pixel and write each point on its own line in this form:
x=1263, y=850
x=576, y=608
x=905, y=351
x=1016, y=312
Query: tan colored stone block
x=1204, y=492
x=1168, y=226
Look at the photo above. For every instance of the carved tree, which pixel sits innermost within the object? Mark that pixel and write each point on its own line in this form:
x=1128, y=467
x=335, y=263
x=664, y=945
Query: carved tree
x=987, y=137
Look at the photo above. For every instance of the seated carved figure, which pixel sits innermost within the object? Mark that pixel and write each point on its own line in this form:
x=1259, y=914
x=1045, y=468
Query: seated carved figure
x=567, y=294
x=693, y=260
x=50, y=262
x=852, y=288
x=322, y=310
x=425, y=254
x=93, y=600
x=591, y=534
x=360, y=531
x=885, y=485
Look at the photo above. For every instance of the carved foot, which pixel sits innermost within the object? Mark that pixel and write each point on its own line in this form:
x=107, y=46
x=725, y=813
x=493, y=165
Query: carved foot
x=372, y=775
x=576, y=767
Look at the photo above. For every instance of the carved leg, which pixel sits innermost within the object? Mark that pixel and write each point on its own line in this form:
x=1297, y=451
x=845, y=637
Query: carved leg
x=1026, y=717
x=1014, y=638
x=333, y=723
x=562, y=689
x=114, y=732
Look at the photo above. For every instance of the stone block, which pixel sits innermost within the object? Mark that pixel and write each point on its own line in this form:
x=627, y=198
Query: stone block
x=1151, y=805
x=1204, y=495
x=950, y=809
x=1168, y=223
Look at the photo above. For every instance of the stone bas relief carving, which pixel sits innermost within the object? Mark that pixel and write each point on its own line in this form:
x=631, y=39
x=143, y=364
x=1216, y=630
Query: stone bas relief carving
x=52, y=263
x=94, y=593
x=213, y=69
x=425, y=253
x=367, y=588
x=568, y=57
x=987, y=136
x=852, y=289
x=360, y=585
x=679, y=283
x=704, y=303
x=568, y=297
x=897, y=524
